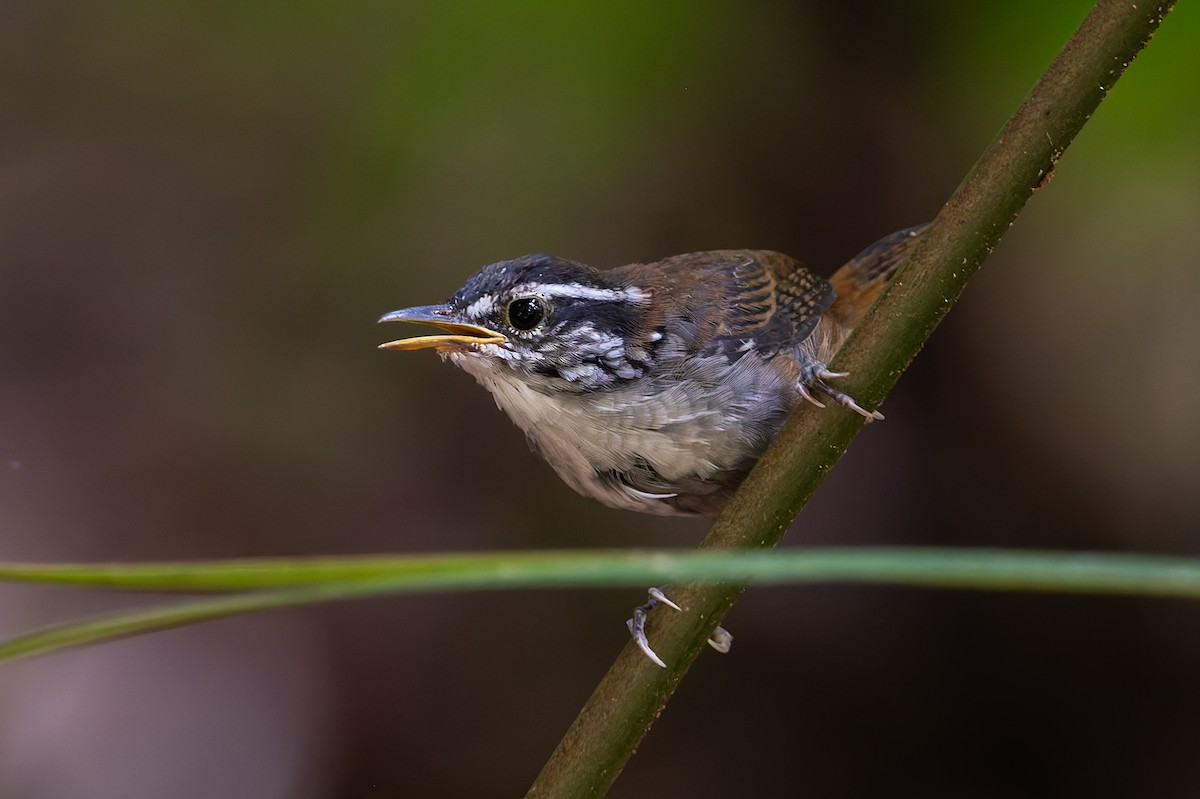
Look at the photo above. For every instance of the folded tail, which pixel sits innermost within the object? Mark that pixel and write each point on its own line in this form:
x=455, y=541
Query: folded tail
x=861, y=279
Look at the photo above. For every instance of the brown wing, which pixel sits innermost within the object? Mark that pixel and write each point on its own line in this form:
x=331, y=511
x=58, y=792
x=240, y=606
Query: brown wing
x=737, y=296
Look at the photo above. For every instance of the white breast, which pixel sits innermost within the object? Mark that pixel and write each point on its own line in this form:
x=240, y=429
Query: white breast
x=687, y=430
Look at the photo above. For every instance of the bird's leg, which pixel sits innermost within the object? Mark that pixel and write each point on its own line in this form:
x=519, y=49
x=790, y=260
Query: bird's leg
x=637, y=624
x=813, y=376
x=721, y=639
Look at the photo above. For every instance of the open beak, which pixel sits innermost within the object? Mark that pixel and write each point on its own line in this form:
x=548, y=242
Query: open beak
x=458, y=335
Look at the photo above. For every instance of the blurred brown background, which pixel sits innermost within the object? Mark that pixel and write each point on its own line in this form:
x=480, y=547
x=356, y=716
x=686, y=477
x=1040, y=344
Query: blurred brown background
x=205, y=206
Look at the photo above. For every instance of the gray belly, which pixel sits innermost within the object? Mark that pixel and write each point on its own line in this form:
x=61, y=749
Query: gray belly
x=677, y=445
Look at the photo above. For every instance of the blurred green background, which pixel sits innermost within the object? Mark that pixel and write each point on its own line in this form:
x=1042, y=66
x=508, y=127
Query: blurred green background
x=205, y=206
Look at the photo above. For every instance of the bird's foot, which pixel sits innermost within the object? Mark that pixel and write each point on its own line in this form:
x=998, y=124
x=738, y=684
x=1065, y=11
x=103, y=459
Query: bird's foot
x=813, y=376
x=721, y=639
x=637, y=624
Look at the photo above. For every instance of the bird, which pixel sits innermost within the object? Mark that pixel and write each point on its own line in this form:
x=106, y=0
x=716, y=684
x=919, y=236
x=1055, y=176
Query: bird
x=655, y=387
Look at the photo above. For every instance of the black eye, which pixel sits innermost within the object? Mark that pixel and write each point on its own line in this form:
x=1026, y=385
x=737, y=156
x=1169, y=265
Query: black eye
x=526, y=313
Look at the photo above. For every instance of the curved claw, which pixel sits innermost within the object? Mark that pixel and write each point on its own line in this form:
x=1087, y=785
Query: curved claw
x=637, y=624
x=804, y=392
x=656, y=595
x=637, y=628
x=722, y=640
x=814, y=377
x=846, y=401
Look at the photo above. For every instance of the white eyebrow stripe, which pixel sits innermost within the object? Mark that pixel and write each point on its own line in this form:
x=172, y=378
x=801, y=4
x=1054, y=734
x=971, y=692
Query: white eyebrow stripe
x=578, y=291
x=481, y=307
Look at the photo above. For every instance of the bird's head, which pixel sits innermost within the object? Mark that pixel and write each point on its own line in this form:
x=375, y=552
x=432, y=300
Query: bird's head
x=557, y=323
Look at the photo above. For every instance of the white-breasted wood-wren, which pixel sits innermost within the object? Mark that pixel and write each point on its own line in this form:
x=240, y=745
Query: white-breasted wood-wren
x=655, y=387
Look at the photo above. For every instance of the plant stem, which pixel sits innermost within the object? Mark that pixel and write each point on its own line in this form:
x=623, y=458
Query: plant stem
x=1019, y=162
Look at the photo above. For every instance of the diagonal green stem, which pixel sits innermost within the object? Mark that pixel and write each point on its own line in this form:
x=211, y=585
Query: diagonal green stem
x=628, y=699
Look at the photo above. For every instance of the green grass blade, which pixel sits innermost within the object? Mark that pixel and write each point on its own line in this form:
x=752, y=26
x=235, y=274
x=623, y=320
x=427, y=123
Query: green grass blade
x=286, y=583
x=142, y=620
x=991, y=569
